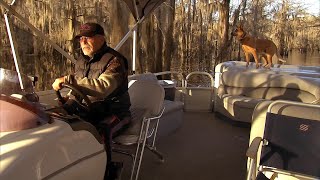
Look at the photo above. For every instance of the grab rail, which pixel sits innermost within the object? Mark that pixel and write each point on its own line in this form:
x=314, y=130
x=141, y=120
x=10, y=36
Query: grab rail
x=200, y=73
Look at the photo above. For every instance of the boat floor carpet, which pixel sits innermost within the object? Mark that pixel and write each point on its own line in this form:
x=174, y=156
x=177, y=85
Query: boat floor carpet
x=204, y=148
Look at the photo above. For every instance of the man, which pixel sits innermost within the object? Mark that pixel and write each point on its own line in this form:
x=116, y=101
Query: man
x=101, y=73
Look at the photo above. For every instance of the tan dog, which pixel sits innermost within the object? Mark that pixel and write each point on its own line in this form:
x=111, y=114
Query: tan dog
x=251, y=45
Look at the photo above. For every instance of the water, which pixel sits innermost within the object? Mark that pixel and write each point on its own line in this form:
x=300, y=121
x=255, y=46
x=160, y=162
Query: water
x=309, y=58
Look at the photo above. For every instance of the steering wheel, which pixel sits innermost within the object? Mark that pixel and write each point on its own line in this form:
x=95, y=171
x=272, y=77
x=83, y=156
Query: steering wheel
x=87, y=101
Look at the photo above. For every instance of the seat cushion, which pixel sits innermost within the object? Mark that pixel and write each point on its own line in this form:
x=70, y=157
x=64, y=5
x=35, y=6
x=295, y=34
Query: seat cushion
x=171, y=106
x=238, y=108
x=172, y=118
x=131, y=134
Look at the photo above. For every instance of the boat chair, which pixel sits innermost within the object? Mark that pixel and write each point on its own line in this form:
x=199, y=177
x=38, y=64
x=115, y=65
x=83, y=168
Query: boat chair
x=288, y=146
x=146, y=110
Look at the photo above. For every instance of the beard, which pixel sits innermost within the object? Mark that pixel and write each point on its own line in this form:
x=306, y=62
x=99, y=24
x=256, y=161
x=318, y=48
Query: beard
x=87, y=50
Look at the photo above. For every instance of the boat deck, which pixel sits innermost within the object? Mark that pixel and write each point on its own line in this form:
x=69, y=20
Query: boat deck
x=205, y=147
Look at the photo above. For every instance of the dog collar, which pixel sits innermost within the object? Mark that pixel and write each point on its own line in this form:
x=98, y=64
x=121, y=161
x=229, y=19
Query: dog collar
x=243, y=36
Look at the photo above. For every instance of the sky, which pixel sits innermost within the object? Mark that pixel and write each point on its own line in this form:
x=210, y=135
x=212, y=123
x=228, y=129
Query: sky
x=313, y=6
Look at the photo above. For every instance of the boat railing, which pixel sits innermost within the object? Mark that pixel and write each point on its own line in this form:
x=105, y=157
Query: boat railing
x=199, y=98
x=196, y=90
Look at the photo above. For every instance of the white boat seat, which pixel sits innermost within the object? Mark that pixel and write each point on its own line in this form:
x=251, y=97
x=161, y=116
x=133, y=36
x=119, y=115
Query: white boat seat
x=146, y=109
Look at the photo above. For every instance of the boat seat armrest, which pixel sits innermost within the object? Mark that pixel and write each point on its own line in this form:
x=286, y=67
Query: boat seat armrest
x=253, y=148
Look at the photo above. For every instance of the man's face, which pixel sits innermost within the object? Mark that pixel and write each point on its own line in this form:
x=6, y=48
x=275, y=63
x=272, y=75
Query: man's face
x=90, y=45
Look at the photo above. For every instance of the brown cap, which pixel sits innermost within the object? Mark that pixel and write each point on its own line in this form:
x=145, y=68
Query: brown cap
x=89, y=30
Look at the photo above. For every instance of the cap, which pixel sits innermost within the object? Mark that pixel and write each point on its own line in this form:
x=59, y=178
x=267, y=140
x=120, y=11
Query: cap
x=90, y=29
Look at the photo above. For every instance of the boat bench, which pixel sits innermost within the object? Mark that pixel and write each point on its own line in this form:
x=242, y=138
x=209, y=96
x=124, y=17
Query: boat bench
x=239, y=91
x=172, y=117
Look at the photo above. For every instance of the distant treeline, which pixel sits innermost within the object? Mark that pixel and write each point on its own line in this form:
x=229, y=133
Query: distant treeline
x=180, y=35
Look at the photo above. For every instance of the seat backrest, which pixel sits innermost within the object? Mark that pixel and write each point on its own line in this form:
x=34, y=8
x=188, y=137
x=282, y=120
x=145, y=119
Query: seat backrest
x=147, y=99
x=147, y=95
x=143, y=77
x=264, y=85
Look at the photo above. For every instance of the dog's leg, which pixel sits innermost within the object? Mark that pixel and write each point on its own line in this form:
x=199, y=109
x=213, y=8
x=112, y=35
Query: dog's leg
x=256, y=58
x=247, y=58
x=269, y=60
x=265, y=62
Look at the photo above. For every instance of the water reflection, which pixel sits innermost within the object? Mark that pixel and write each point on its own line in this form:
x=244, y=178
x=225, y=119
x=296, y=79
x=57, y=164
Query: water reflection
x=304, y=58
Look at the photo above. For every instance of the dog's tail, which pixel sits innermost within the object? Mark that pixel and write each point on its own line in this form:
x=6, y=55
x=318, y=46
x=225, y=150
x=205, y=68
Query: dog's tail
x=280, y=60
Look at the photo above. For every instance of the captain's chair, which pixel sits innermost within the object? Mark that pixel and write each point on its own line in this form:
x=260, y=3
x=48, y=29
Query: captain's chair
x=284, y=141
x=146, y=108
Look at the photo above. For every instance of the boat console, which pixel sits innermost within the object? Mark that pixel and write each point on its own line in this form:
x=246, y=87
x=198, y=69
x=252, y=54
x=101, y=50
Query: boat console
x=39, y=145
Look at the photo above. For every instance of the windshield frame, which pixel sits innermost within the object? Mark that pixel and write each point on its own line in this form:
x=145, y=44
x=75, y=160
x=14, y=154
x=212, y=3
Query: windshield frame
x=10, y=83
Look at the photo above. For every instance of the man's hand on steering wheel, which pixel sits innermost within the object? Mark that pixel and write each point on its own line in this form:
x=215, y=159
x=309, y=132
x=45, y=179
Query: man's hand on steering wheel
x=57, y=84
x=65, y=99
x=83, y=105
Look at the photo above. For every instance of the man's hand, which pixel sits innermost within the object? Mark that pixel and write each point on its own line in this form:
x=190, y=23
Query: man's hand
x=57, y=83
x=66, y=98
